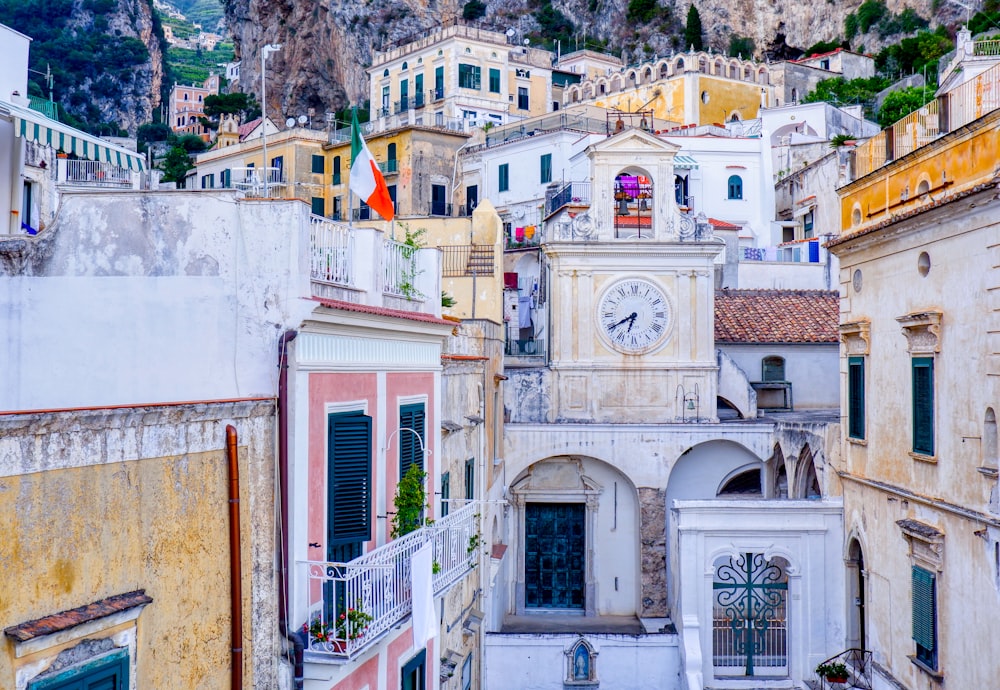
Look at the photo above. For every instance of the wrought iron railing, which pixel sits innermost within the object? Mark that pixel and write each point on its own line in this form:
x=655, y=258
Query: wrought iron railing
x=467, y=260
x=571, y=193
x=399, y=269
x=331, y=251
x=97, y=174
x=859, y=670
x=378, y=583
x=389, y=166
x=729, y=655
x=956, y=108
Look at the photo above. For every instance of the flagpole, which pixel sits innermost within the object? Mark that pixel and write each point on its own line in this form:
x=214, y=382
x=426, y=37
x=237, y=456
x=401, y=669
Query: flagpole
x=350, y=193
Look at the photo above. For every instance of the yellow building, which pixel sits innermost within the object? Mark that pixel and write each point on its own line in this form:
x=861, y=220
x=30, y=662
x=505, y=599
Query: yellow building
x=297, y=168
x=419, y=165
x=693, y=88
x=918, y=281
x=459, y=76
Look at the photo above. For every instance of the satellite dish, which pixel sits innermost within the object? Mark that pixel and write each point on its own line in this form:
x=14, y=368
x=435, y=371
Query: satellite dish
x=527, y=41
x=290, y=122
x=510, y=33
x=303, y=119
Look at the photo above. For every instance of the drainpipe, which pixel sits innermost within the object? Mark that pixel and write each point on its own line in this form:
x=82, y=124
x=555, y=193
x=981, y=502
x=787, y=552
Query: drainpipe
x=290, y=634
x=235, y=562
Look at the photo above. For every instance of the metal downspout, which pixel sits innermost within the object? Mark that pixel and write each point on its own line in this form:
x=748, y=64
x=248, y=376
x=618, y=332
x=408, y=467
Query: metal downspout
x=235, y=560
x=290, y=634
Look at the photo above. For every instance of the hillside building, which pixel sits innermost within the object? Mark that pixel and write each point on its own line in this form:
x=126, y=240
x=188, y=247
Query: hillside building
x=186, y=107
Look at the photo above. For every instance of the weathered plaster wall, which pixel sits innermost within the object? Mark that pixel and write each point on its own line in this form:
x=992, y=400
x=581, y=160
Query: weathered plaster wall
x=812, y=369
x=104, y=502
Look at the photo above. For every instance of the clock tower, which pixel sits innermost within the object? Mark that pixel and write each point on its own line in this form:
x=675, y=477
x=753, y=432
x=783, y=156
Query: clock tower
x=632, y=295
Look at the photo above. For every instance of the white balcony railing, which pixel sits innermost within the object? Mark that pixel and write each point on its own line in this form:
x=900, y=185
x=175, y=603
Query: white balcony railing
x=259, y=182
x=96, y=174
x=331, y=251
x=399, y=268
x=378, y=583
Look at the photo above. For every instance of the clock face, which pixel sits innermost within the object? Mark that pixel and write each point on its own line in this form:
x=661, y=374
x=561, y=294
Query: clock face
x=634, y=316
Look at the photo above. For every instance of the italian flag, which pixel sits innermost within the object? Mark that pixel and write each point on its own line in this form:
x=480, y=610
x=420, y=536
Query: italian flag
x=366, y=179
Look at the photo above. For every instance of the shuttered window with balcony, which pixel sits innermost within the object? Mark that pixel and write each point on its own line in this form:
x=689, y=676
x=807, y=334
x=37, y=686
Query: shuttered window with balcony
x=411, y=417
x=349, y=491
x=469, y=76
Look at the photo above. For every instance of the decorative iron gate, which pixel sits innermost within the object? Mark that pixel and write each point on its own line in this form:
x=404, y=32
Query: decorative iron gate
x=749, y=632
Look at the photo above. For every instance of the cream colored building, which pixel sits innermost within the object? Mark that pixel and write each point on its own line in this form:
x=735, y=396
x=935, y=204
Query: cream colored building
x=918, y=274
x=461, y=76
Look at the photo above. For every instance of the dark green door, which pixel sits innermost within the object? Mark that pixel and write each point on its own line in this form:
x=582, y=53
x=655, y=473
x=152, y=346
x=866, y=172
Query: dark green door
x=554, y=556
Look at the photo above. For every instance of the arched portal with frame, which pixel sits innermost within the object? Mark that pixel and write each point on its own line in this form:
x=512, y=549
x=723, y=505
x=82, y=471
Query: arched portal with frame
x=572, y=513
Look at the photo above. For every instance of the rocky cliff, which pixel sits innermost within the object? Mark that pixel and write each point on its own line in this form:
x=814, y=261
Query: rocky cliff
x=327, y=43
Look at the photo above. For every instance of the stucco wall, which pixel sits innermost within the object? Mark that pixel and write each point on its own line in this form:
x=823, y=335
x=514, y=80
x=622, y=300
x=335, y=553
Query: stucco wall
x=105, y=502
x=812, y=369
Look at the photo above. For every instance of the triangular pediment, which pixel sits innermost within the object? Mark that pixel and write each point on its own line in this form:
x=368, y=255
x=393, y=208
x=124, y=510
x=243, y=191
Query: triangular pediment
x=634, y=141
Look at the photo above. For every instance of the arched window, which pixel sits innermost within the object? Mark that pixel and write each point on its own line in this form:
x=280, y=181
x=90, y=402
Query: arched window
x=735, y=187
x=185, y=97
x=990, y=439
x=391, y=152
x=681, y=190
x=385, y=73
x=744, y=483
x=405, y=67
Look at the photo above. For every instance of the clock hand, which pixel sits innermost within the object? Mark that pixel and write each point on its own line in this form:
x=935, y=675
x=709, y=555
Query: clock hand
x=631, y=321
x=616, y=325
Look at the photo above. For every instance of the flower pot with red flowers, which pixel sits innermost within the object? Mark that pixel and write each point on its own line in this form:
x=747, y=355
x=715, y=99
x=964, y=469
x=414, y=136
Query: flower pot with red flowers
x=352, y=624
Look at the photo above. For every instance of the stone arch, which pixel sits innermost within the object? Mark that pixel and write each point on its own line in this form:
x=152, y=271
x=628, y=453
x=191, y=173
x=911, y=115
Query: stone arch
x=734, y=69
x=703, y=65
x=647, y=75
x=763, y=76
x=588, y=91
x=678, y=64
x=806, y=479
x=604, y=511
x=747, y=73
x=857, y=590
x=632, y=76
x=703, y=469
x=743, y=481
x=573, y=93
x=720, y=67
x=663, y=69
x=615, y=84
x=989, y=446
x=774, y=469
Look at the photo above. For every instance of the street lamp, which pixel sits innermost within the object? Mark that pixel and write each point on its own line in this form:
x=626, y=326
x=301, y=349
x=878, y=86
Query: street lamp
x=264, y=52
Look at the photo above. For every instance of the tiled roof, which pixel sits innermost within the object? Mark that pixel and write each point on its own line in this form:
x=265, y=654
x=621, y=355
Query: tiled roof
x=248, y=127
x=776, y=316
x=715, y=222
x=382, y=311
x=82, y=614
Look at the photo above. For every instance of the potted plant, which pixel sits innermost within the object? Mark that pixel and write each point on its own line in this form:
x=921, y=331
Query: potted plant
x=835, y=672
x=352, y=624
x=323, y=633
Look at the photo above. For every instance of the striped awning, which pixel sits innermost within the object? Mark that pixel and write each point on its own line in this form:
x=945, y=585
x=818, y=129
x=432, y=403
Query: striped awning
x=682, y=161
x=34, y=126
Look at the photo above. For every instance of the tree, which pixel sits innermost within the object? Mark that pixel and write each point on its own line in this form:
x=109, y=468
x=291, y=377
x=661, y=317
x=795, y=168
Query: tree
x=640, y=11
x=176, y=164
x=237, y=103
x=899, y=104
x=741, y=46
x=840, y=91
x=473, y=10
x=153, y=131
x=693, y=31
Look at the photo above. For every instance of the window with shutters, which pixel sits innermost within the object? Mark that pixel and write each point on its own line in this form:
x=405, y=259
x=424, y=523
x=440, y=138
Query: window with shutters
x=414, y=672
x=318, y=164
x=923, y=405
x=412, y=417
x=470, y=479
x=503, y=178
x=336, y=170
x=438, y=83
x=773, y=368
x=522, y=98
x=349, y=490
x=445, y=493
x=494, y=80
x=925, y=616
x=545, y=164
x=469, y=76
x=856, y=397
x=735, y=187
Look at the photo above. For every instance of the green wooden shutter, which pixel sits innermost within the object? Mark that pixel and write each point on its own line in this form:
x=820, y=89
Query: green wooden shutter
x=445, y=493
x=108, y=672
x=470, y=478
x=545, y=173
x=923, y=405
x=856, y=397
x=494, y=80
x=411, y=417
x=924, y=623
x=349, y=478
x=504, y=178
x=317, y=204
x=318, y=164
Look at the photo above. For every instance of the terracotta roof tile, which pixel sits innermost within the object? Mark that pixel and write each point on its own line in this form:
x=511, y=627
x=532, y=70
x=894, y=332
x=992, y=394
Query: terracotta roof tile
x=82, y=614
x=715, y=222
x=776, y=316
x=381, y=311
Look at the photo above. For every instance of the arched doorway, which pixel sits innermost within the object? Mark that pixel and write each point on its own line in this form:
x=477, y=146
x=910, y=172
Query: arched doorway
x=856, y=596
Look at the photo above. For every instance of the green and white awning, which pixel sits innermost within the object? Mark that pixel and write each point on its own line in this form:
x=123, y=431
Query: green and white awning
x=34, y=126
x=682, y=161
